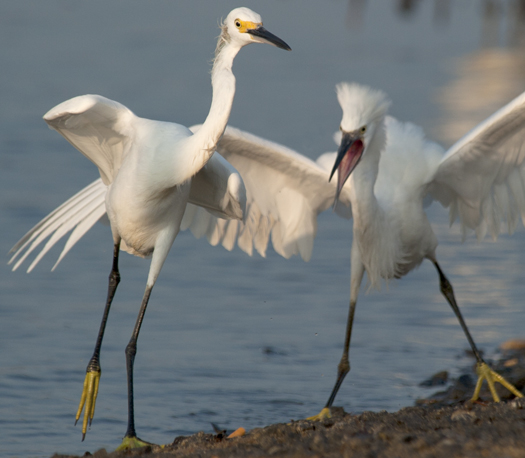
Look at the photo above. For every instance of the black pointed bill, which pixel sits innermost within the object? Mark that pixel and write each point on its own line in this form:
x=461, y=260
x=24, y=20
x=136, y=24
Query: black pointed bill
x=348, y=156
x=268, y=37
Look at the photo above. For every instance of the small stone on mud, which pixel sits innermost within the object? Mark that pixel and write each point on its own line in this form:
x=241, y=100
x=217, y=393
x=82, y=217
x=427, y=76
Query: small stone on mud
x=518, y=403
x=511, y=362
x=513, y=345
x=463, y=415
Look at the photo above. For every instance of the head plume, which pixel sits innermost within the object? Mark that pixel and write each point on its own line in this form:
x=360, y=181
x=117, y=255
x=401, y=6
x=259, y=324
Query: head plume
x=224, y=37
x=361, y=105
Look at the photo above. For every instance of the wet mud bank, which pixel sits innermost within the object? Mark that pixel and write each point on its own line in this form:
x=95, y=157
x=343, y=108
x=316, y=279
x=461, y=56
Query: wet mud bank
x=444, y=425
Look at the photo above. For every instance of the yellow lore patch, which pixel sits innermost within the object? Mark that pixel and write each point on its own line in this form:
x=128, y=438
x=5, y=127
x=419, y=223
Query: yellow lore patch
x=244, y=26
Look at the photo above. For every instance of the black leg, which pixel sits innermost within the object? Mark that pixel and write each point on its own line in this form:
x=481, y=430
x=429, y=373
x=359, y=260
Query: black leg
x=162, y=246
x=131, y=351
x=344, y=365
x=448, y=292
x=93, y=371
x=114, y=280
x=483, y=371
x=357, y=271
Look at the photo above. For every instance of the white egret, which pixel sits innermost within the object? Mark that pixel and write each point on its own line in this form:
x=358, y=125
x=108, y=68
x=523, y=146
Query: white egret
x=390, y=169
x=147, y=168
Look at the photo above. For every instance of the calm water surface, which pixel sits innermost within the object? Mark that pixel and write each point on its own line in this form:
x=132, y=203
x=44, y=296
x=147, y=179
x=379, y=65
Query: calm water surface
x=230, y=339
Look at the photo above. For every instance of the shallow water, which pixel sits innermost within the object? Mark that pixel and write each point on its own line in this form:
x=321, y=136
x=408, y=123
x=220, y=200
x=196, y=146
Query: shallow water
x=230, y=339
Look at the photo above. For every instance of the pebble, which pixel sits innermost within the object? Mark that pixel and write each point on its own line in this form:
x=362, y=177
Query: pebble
x=463, y=415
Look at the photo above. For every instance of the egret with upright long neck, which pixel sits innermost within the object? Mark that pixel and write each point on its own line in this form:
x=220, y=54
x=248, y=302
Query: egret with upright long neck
x=148, y=169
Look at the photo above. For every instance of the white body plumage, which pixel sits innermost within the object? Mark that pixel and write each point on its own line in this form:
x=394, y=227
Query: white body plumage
x=481, y=179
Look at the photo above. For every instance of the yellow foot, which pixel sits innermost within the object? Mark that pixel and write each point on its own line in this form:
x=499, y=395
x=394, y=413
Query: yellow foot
x=486, y=373
x=129, y=443
x=323, y=415
x=88, y=398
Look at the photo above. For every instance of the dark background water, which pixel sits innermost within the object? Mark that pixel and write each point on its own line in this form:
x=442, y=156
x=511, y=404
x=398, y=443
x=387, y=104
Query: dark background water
x=227, y=338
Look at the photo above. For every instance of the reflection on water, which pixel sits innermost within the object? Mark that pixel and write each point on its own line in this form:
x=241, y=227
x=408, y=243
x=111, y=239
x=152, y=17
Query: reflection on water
x=489, y=77
x=494, y=15
x=503, y=23
x=485, y=81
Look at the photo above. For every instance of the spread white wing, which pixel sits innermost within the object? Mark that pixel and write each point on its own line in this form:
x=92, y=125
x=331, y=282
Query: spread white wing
x=102, y=130
x=482, y=176
x=285, y=192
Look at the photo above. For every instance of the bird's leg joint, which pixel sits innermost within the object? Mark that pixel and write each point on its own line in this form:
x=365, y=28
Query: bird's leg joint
x=94, y=364
x=344, y=366
x=131, y=350
x=114, y=278
x=446, y=289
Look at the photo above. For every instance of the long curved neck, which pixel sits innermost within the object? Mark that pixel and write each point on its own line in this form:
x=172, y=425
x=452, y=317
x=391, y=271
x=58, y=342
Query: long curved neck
x=375, y=233
x=223, y=84
x=364, y=202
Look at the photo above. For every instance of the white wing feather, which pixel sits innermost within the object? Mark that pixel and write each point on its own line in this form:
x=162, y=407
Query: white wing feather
x=285, y=192
x=101, y=129
x=482, y=176
x=219, y=189
x=81, y=212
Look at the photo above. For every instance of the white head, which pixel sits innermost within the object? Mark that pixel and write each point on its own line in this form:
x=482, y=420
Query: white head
x=364, y=111
x=244, y=26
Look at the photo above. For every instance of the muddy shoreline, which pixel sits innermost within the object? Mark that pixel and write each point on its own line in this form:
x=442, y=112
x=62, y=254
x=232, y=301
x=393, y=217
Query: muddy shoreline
x=446, y=424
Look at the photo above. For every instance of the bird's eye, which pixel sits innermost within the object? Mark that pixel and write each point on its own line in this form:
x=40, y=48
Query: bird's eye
x=341, y=128
x=363, y=129
x=238, y=24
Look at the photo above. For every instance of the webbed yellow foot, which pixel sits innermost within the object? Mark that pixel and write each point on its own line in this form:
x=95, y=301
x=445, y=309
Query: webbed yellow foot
x=129, y=443
x=323, y=415
x=88, y=399
x=486, y=373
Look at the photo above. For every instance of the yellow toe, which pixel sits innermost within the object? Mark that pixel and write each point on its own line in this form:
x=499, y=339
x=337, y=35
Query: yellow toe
x=486, y=373
x=323, y=415
x=88, y=399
